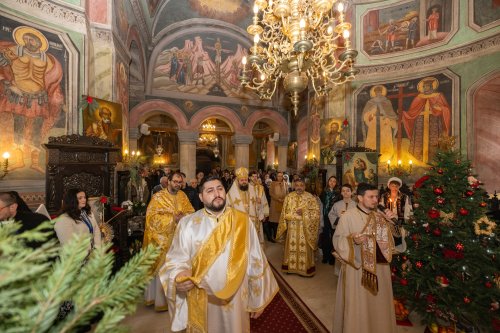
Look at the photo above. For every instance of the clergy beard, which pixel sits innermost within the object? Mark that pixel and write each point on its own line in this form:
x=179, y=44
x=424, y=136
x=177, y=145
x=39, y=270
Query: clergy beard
x=213, y=207
x=243, y=187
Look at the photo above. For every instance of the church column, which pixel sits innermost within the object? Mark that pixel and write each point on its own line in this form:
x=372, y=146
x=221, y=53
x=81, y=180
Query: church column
x=282, y=153
x=187, y=152
x=241, y=149
x=134, y=136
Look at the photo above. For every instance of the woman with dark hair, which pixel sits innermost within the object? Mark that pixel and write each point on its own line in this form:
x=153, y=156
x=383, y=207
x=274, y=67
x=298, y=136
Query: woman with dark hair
x=329, y=196
x=77, y=219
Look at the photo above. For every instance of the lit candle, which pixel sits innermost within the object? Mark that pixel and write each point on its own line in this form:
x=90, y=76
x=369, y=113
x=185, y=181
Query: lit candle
x=388, y=165
x=400, y=163
x=138, y=153
x=6, y=156
x=305, y=157
x=340, y=7
x=255, y=9
x=314, y=156
x=133, y=152
x=411, y=164
x=125, y=152
x=244, y=61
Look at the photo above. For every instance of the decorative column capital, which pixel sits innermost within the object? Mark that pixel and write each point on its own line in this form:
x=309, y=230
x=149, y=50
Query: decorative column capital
x=188, y=136
x=242, y=139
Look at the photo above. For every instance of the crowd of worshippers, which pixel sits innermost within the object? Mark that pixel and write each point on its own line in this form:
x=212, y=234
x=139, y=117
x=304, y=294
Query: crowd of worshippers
x=212, y=230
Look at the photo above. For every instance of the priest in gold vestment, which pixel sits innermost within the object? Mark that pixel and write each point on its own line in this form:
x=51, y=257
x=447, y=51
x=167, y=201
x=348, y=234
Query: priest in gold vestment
x=247, y=198
x=364, y=244
x=216, y=274
x=299, y=222
x=165, y=210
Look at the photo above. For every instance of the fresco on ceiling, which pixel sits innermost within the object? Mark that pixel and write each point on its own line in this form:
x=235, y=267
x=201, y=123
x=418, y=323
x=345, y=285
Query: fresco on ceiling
x=121, y=20
x=486, y=12
x=33, y=90
x=404, y=120
x=237, y=12
x=406, y=26
x=153, y=6
x=204, y=64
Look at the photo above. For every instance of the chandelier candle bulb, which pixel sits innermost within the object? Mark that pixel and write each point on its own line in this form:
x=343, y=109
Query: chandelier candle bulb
x=388, y=166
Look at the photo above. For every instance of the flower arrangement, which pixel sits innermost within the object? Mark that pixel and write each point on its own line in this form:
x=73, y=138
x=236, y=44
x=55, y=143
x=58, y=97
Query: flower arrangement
x=139, y=208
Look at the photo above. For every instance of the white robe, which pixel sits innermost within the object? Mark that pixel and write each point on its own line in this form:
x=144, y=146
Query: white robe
x=249, y=205
x=255, y=293
x=356, y=308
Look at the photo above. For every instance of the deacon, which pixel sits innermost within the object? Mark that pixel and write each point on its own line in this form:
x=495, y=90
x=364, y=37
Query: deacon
x=299, y=220
x=216, y=274
x=164, y=211
x=243, y=197
x=364, y=243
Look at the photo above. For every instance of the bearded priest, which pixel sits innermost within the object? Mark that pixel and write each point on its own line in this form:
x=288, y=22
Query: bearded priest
x=216, y=274
x=299, y=222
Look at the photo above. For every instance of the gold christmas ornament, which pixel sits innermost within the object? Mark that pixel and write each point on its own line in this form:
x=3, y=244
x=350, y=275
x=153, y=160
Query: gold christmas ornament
x=484, y=226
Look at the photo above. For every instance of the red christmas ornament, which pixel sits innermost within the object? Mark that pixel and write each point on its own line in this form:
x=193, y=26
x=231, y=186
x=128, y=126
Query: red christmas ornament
x=474, y=185
x=459, y=246
x=440, y=200
x=403, y=282
x=433, y=213
x=415, y=237
x=469, y=193
x=430, y=298
x=436, y=232
x=483, y=204
x=464, y=212
x=440, y=171
x=89, y=99
x=438, y=191
x=467, y=300
x=419, y=264
x=458, y=162
x=488, y=284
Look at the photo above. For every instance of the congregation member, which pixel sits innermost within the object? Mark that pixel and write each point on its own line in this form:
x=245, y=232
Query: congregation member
x=299, y=224
x=243, y=197
x=163, y=185
x=278, y=190
x=77, y=219
x=363, y=241
x=340, y=207
x=13, y=207
x=216, y=274
x=397, y=201
x=328, y=197
x=164, y=211
x=191, y=191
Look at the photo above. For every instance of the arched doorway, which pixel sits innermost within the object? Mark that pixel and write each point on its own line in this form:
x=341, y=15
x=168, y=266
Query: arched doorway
x=262, y=151
x=161, y=147
x=214, y=147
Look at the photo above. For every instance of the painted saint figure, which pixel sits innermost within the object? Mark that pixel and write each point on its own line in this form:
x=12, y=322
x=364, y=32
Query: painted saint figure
x=427, y=119
x=30, y=90
x=380, y=123
x=433, y=23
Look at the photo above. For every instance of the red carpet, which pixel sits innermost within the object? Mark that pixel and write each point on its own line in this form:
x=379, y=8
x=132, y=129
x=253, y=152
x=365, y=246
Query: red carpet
x=286, y=313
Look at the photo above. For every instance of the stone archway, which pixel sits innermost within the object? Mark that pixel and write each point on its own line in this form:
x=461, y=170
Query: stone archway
x=145, y=109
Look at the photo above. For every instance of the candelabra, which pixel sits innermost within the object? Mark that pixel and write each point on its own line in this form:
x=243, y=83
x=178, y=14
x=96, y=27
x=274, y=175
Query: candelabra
x=301, y=41
x=400, y=170
x=5, y=165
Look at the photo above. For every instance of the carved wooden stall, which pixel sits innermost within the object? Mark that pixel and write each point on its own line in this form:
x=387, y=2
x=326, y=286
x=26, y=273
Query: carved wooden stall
x=75, y=161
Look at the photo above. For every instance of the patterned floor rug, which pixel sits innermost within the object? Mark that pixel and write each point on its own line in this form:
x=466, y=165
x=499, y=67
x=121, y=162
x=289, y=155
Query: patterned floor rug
x=287, y=313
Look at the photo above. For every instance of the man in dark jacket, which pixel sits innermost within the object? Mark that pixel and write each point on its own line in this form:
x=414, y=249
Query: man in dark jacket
x=29, y=220
x=191, y=191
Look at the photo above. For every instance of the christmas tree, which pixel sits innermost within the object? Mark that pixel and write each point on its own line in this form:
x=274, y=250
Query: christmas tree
x=449, y=273
x=34, y=283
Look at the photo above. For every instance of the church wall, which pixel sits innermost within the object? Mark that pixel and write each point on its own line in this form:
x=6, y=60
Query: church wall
x=64, y=28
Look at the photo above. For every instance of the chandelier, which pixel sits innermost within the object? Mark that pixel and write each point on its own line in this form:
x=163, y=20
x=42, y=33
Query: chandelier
x=209, y=139
x=301, y=41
